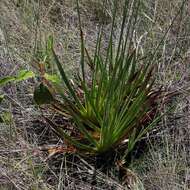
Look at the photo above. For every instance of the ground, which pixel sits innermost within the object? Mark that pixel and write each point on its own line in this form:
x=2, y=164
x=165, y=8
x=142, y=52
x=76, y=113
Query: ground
x=25, y=137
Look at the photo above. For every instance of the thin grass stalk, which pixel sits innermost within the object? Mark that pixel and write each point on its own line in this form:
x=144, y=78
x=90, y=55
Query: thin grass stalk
x=130, y=24
x=152, y=56
x=82, y=43
x=109, y=56
x=125, y=14
x=64, y=77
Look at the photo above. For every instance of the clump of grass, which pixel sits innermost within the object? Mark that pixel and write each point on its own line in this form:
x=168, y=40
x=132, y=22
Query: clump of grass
x=165, y=166
x=115, y=100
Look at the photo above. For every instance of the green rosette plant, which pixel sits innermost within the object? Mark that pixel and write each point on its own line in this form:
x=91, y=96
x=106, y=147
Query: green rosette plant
x=112, y=97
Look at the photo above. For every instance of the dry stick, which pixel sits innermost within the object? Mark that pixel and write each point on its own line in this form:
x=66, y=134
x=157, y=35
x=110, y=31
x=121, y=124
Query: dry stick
x=14, y=101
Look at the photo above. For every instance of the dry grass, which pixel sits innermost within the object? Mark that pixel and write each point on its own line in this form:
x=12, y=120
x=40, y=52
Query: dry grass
x=166, y=164
x=22, y=165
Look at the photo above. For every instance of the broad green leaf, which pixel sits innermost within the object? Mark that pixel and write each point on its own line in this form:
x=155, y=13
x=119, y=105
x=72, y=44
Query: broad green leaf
x=5, y=80
x=42, y=94
x=21, y=76
x=53, y=78
x=24, y=75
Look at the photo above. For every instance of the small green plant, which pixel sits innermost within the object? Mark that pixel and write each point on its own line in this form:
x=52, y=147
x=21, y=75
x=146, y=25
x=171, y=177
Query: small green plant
x=113, y=104
x=21, y=76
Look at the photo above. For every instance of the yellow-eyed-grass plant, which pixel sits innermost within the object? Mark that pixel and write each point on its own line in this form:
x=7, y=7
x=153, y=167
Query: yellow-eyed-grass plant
x=111, y=106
